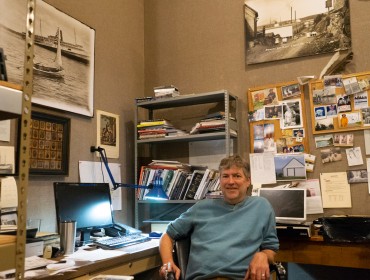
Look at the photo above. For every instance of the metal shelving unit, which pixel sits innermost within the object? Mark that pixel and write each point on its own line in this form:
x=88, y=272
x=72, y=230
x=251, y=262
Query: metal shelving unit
x=21, y=108
x=229, y=103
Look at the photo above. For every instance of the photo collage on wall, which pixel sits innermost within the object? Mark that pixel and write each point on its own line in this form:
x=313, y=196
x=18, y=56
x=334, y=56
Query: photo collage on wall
x=340, y=103
x=276, y=119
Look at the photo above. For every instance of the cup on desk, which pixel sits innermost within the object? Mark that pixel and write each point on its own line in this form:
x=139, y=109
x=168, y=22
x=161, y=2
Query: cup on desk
x=67, y=232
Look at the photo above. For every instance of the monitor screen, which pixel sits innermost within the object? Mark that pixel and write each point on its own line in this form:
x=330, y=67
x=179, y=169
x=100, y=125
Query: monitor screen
x=288, y=204
x=89, y=204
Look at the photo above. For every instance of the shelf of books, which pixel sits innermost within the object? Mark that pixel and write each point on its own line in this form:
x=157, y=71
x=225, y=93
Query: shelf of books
x=164, y=126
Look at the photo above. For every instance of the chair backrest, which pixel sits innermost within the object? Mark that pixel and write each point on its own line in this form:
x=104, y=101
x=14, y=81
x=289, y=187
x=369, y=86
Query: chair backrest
x=181, y=257
x=181, y=254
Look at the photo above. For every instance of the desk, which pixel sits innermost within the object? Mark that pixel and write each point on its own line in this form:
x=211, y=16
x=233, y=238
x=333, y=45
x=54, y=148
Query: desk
x=141, y=257
x=322, y=253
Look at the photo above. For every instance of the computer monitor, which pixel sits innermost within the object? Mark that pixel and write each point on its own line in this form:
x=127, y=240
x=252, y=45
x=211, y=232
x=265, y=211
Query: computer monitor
x=289, y=204
x=89, y=204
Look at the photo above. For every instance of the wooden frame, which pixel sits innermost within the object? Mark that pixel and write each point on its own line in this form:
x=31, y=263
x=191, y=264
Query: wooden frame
x=281, y=132
x=49, y=144
x=69, y=90
x=107, y=133
x=349, y=94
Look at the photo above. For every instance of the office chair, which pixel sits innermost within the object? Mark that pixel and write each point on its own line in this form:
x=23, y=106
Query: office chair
x=181, y=256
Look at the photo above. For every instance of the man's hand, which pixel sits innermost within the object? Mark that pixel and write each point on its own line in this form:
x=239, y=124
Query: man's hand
x=169, y=267
x=259, y=267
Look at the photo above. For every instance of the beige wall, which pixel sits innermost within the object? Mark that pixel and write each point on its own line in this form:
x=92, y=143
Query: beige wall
x=119, y=78
x=197, y=45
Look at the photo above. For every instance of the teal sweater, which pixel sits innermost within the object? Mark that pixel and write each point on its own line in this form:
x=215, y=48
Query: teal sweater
x=225, y=237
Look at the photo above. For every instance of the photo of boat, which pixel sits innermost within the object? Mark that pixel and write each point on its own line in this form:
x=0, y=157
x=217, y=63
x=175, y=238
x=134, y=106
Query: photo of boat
x=54, y=69
x=74, y=50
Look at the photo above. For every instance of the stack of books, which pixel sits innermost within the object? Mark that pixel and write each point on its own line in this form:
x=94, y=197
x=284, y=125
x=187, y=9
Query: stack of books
x=158, y=128
x=180, y=181
x=210, y=123
x=166, y=91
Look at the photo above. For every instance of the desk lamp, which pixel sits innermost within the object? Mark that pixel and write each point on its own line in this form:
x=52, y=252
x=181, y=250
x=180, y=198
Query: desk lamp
x=156, y=191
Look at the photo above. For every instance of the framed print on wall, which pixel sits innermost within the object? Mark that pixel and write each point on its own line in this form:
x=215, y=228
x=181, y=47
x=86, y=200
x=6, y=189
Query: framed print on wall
x=283, y=29
x=66, y=85
x=49, y=144
x=108, y=133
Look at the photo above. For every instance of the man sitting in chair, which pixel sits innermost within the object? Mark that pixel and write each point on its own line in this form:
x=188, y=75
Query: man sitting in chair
x=231, y=238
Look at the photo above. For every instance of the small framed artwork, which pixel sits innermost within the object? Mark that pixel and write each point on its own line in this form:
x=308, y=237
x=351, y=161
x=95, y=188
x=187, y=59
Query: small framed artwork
x=108, y=133
x=49, y=144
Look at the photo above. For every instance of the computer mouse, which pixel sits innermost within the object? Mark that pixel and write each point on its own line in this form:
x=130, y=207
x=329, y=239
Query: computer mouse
x=155, y=234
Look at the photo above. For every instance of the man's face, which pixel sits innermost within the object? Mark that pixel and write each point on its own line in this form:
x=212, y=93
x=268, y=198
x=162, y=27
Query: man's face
x=234, y=184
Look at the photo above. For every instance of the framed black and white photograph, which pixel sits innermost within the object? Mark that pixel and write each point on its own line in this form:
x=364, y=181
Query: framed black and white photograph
x=63, y=56
x=49, y=144
x=284, y=29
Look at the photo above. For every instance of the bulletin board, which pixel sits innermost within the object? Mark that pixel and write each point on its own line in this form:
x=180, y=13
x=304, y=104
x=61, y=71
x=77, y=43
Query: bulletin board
x=340, y=103
x=277, y=118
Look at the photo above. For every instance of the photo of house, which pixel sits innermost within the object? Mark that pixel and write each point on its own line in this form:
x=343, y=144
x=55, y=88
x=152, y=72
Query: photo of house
x=290, y=167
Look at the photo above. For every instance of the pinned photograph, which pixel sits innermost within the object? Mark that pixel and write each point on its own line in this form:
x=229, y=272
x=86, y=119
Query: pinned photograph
x=343, y=103
x=290, y=91
x=331, y=155
x=324, y=141
x=258, y=146
x=320, y=112
x=292, y=114
x=351, y=85
x=343, y=140
x=269, y=143
x=333, y=81
x=365, y=112
x=273, y=112
x=280, y=145
x=349, y=120
x=324, y=96
x=360, y=100
x=264, y=97
x=256, y=115
x=298, y=132
x=354, y=156
x=324, y=124
x=290, y=167
x=331, y=110
x=357, y=176
x=258, y=131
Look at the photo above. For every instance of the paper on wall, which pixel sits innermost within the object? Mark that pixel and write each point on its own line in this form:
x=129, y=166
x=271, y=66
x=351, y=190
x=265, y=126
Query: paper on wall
x=262, y=168
x=335, y=190
x=9, y=193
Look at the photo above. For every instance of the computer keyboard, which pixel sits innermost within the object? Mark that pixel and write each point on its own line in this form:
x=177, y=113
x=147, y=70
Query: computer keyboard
x=120, y=241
